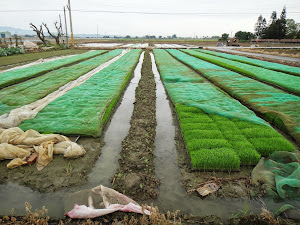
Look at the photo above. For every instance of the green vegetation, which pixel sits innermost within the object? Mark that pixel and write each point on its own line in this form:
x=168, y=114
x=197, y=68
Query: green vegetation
x=11, y=61
x=39, y=87
x=211, y=122
x=81, y=111
x=255, y=62
x=10, y=51
x=276, y=106
x=18, y=75
x=285, y=81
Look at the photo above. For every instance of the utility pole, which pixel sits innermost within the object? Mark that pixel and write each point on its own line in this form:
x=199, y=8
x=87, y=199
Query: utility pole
x=97, y=31
x=61, y=29
x=71, y=27
x=66, y=27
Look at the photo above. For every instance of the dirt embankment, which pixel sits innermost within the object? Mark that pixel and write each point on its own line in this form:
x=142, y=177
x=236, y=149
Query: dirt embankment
x=136, y=175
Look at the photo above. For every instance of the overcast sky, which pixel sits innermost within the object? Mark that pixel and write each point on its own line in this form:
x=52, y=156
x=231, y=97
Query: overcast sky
x=200, y=17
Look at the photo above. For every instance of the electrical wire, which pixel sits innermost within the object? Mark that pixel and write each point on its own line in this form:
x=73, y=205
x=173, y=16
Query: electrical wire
x=139, y=12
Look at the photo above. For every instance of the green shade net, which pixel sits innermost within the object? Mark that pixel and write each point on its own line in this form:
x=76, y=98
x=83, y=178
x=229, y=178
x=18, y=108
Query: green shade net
x=18, y=75
x=280, y=175
x=276, y=106
x=84, y=109
x=34, y=89
x=285, y=81
x=268, y=65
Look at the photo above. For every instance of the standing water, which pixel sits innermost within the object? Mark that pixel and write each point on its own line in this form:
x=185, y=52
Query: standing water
x=107, y=164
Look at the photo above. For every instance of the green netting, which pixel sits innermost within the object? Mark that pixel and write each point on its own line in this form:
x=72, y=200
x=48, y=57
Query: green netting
x=215, y=135
x=17, y=75
x=184, y=89
x=276, y=106
x=280, y=175
x=29, y=91
x=84, y=109
x=285, y=81
x=265, y=64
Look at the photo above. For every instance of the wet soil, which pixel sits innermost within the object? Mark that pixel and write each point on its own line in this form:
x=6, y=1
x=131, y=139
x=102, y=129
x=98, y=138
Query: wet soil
x=60, y=173
x=136, y=175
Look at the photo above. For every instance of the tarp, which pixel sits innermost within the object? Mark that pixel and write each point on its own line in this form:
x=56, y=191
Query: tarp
x=19, y=145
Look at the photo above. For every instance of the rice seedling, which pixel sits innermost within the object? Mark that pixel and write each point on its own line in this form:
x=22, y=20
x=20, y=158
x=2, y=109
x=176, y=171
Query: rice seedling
x=266, y=146
x=215, y=159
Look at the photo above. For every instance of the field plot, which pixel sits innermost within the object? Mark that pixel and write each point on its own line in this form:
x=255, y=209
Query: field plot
x=255, y=62
x=285, y=81
x=18, y=60
x=29, y=91
x=276, y=106
x=219, y=132
x=85, y=108
x=18, y=75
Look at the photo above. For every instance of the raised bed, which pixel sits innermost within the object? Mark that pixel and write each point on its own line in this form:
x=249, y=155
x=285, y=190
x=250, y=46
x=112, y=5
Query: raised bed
x=284, y=81
x=220, y=133
x=18, y=75
x=86, y=108
x=274, y=105
x=34, y=89
x=255, y=62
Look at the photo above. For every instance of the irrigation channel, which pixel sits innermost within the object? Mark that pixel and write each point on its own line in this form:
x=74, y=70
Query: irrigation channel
x=172, y=195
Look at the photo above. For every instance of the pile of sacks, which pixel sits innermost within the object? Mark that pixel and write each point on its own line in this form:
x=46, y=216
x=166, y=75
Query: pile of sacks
x=24, y=147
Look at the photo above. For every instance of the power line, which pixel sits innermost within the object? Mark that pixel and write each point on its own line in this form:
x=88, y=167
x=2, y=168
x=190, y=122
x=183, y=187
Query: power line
x=139, y=12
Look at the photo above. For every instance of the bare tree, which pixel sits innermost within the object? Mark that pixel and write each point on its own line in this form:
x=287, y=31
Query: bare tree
x=39, y=32
x=59, y=32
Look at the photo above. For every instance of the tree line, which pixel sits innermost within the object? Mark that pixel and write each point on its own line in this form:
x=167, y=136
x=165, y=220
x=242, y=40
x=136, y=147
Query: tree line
x=277, y=28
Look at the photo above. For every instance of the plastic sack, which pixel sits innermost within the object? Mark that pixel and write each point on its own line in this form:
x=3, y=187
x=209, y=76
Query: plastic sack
x=15, y=143
x=99, y=201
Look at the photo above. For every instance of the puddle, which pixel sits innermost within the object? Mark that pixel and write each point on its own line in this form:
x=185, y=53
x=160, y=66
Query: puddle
x=14, y=196
x=107, y=164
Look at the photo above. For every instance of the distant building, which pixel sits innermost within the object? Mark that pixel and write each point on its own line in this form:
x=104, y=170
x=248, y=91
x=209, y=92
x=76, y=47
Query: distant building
x=5, y=34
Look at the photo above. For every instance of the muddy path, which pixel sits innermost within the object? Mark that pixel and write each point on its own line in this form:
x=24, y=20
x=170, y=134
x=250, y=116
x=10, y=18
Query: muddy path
x=136, y=174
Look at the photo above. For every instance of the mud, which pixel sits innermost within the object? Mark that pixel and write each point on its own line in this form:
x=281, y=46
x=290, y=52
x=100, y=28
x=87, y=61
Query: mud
x=136, y=175
x=60, y=173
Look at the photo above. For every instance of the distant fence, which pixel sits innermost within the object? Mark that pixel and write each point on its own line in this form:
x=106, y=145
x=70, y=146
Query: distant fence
x=277, y=40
